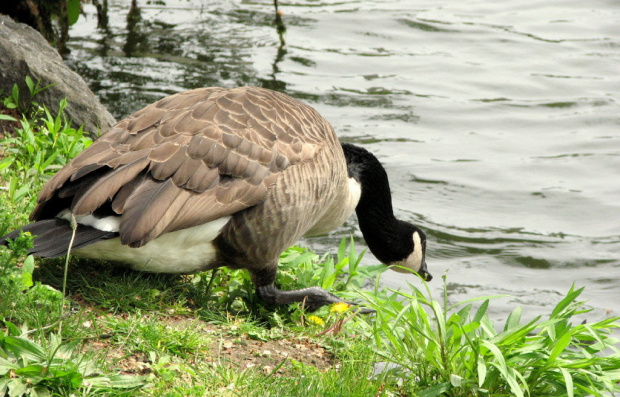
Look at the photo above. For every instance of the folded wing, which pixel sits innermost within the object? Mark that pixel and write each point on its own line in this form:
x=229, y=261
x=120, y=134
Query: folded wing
x=186, y=160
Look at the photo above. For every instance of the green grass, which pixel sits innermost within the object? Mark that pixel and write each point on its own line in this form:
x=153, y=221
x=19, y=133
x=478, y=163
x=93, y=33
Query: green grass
x=456, y=349
x=120, y=332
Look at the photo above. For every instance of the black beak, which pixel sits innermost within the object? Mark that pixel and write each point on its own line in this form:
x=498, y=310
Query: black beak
x=423, y=272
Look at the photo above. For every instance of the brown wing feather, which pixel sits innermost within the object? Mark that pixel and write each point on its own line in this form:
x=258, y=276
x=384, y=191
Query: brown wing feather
x=149, y=209
x=106, y=187
x=190, y=158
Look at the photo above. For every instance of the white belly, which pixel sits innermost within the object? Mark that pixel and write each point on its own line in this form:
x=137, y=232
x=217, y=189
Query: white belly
x=182, y=251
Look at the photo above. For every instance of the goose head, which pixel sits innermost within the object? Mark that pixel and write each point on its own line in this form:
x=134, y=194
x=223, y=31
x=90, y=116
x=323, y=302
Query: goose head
x=416, y=259
x=403, y=250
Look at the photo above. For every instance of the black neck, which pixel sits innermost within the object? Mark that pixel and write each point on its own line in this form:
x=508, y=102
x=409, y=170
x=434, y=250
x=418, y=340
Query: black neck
x=381, y=230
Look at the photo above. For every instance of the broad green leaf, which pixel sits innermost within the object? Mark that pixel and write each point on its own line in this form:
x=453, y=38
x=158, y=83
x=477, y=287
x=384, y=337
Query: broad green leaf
x=342, y=250
x=481, y=311
x=328, y=275
x=29, y=83
x=116, y=381
x=509, y=375
x=73, y=11
x=4, y=386
x=6, y=366
x=435, y=390
x=6, y=162
x=354, y=259
x=295, y=259
x=482, y=371
x=456, y=380
x=513, y=319
x=497, y=354
x=15, y=93
x=568, y=299
x=31, y=371
x=27, y=270
x=568, y=381
x=23, y=347
x=50, y=159
x=464, y=312
x=12, y=328
x=40, y=391
x=487, y=327
x=17, y=387
x=560, y=346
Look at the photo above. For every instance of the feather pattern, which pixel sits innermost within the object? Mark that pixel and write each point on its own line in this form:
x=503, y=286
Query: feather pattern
x=189, y=159
x=95, y=194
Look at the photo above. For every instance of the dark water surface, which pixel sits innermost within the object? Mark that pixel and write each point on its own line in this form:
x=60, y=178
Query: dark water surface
x=498, y=122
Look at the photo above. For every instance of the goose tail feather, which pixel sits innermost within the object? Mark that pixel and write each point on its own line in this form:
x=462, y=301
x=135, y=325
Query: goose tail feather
x=53, y=236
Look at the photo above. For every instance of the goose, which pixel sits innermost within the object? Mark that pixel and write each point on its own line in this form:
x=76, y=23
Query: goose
x=217, y=177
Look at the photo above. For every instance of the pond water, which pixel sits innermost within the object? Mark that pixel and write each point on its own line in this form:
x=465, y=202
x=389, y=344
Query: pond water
x=498, y=122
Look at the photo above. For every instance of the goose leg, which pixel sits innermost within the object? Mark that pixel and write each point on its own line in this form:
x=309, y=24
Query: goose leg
x=315, y=297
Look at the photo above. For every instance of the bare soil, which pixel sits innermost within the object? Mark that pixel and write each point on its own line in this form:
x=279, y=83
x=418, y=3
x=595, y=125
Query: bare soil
x=225, y=348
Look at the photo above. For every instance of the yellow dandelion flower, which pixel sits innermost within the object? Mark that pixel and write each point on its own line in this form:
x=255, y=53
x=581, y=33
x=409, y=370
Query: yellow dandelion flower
x=340, y=307
x=316, y=320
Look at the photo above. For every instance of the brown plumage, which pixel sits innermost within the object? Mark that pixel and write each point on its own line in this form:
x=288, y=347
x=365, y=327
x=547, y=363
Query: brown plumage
x=259, y=167
x=207, y=147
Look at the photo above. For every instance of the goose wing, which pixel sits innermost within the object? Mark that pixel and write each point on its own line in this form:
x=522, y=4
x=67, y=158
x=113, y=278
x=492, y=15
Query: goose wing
x=186, y=160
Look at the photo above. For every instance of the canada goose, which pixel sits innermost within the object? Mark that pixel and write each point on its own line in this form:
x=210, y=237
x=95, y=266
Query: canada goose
x=220, y=177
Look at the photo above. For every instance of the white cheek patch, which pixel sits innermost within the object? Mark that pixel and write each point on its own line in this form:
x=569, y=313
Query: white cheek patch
x=414, y=260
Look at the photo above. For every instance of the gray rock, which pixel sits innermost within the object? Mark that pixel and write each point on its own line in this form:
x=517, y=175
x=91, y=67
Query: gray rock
x=24, y=52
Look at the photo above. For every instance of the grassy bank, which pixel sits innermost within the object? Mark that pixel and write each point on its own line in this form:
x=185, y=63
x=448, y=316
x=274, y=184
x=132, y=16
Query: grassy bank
x=118, y=332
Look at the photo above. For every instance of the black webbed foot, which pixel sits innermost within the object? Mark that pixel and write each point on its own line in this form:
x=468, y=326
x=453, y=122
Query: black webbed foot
x=313, y=298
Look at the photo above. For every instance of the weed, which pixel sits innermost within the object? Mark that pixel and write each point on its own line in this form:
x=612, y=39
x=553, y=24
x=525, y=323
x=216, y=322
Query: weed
x=456, y=350
x=35, y=87
x=37, y=369
x=12, y=100
x=41, y=148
